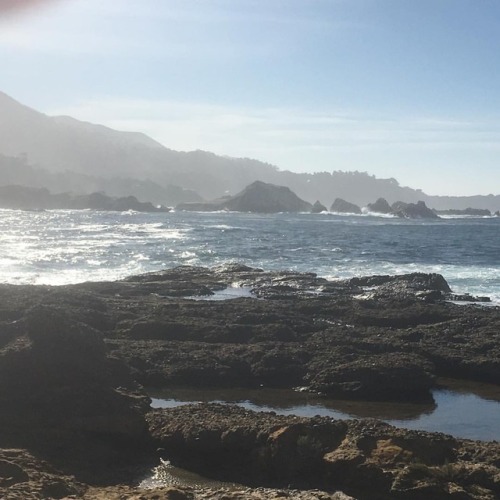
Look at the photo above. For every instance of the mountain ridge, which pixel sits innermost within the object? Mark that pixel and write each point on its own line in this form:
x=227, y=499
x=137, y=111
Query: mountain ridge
x=63, y=145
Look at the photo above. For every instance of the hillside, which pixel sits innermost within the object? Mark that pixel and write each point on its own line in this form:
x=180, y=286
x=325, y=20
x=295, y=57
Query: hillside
x=65, y=154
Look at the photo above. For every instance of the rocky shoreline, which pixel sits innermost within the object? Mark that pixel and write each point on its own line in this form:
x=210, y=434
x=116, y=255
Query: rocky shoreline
x=75, y=420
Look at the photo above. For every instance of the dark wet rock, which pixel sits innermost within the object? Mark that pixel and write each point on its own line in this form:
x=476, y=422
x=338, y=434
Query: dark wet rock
x=466, y=297
x=379, y=377
x=344, y=207
x=409, y=288
x=71, y=357
x=62, y=396
x=366, y=459
x=381, y=206
x=299, y=332
x=416, y=282
x=417, y=210
x=318, y=207
x=235, y=267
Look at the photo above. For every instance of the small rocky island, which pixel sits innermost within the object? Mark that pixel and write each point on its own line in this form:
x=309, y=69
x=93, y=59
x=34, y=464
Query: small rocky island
x=403, y=210
x=258, y=197
x=76, y=420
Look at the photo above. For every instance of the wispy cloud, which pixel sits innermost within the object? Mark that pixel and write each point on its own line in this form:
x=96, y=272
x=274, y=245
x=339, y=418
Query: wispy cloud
x=240, y=131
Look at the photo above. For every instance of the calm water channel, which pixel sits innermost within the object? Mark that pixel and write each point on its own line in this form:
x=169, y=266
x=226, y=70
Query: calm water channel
x=466, y=410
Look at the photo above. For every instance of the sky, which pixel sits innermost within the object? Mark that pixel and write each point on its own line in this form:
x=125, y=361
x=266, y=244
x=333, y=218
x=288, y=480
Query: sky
x=397, y=88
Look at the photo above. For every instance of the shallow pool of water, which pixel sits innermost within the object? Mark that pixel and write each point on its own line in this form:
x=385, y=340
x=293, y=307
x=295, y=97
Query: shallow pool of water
x=463, y=410
x=167, y=474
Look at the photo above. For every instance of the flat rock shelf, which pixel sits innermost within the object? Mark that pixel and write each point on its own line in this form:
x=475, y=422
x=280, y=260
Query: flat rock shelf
x=74, y=361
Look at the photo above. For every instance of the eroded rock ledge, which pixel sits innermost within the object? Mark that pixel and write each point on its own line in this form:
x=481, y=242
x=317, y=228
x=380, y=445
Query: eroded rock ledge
x=364, y=458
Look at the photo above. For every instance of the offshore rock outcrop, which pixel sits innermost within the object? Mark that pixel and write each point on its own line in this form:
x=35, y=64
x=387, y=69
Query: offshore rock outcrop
x=258, y=197
x=403, y=210
x=318, y=207
x=473, y=212
x=417, y=210
x=381, y=206
x=344, y=207
x=29, y=198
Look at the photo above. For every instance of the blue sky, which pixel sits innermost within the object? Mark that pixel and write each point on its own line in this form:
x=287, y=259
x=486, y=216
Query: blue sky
x=398, y=88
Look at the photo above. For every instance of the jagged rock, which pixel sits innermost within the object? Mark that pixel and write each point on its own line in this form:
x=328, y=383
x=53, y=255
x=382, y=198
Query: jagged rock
x=417, y=210
x=381, y=206
x=413, y=281
x=344, y=207
x=318, y=208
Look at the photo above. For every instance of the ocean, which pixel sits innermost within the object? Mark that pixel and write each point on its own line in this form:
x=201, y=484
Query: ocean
x=63, y=246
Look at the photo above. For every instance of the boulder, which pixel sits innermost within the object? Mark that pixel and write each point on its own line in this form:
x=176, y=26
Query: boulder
x=344, y=207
